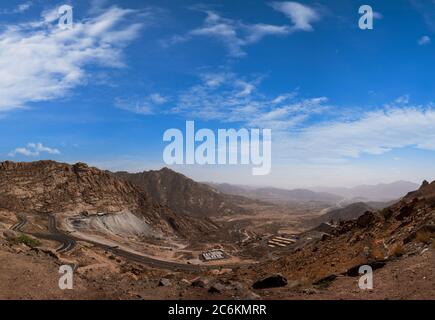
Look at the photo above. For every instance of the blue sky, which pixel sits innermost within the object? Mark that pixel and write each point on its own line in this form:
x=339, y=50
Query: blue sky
x=346, y=106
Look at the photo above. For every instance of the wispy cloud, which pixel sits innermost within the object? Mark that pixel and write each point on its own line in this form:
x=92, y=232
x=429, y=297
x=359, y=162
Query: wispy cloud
x=373, y=133
x=97, y=6
x=33, y=150
x=302, y=16
x=425, y=40
x=427, y=10
x=145, y=106
x=332, y=136
x=39, y=61
x=229, y=98
x=21, y=8
x=234, y=34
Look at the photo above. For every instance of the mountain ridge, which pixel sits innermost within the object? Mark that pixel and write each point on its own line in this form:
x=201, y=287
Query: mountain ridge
x=277, y=195
x=183, y=194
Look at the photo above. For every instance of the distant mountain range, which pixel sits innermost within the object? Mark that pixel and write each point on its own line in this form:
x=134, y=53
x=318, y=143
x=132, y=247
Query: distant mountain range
x=277, y=195
x=363, y=193
x=379, y=192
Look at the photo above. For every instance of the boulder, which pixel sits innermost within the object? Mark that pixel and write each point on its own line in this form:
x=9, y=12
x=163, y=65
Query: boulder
x=10, y=235
x=273, y=281
x=217, y=288
x=199, y=283
x=185, y=282
x=405, y=212
x=366, y=219
x=249, y=295
x=164, y=282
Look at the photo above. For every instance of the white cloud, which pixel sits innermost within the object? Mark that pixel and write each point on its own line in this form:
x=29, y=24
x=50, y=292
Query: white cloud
x=301, y=15
x=373, y=133
x=144, y=106
x=39, y=61
x=228, y=98
x=24, y=7
x=33, y=150
x=235, y=35
x=157, y=98
x=97, y=6
x=394, y=125
x=424, y=40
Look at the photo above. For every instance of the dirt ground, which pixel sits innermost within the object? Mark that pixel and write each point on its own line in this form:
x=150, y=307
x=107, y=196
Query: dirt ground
x=409, y=278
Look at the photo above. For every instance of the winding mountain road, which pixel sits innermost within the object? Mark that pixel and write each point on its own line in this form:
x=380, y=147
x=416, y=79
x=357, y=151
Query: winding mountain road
x=21, y=222
x=68, y=242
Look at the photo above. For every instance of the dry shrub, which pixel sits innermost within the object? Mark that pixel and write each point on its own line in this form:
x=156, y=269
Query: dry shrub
x=398, y=250
x=424, y=237
x=378, y=251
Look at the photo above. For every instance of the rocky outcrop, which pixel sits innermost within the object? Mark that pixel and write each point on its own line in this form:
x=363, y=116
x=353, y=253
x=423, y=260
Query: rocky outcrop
x=273, y=281
x=366, y=220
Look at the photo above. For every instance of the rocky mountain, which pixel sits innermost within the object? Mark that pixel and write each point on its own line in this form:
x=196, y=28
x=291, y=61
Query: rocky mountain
x=277, y=195
x=380, y=192
x=51, y=187
x=184, y=195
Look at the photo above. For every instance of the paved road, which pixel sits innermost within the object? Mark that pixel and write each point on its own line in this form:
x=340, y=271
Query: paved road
x=147, y=260
x=68, y=242
x=21, y=222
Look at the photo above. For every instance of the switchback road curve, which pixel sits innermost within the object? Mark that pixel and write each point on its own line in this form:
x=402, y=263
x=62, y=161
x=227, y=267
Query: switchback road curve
x=68, y=242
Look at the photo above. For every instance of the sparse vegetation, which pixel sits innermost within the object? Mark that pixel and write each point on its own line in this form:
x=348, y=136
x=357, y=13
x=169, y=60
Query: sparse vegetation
x=424, y=237
x=377, y=252
x=398, y=250
x=28, y=241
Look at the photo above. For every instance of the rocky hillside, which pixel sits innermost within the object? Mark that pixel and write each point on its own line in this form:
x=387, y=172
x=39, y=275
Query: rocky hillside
x=183, y=195
x=396, y=233
x=48, y=186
